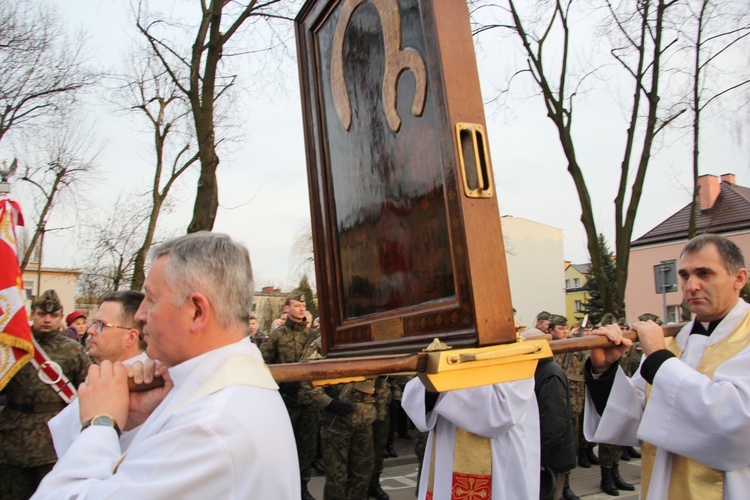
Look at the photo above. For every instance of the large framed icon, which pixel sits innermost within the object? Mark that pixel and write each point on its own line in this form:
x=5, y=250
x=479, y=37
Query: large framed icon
x=406, y=228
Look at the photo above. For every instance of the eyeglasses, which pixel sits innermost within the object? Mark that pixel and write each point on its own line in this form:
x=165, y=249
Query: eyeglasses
x=98, y=326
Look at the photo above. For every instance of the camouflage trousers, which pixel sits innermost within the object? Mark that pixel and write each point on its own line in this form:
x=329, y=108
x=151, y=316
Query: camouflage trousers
x=348, y=455
x=305, y=424
x=380, y=432
x=19, y=483
x=609, y=455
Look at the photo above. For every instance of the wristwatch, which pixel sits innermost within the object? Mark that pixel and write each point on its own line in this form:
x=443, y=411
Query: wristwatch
x=104, y=420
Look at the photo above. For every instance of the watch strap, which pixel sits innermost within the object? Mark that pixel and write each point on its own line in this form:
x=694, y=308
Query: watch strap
x=93, y=421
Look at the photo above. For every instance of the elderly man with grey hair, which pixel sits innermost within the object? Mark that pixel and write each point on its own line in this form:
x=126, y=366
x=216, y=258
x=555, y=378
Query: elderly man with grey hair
x=197, y=435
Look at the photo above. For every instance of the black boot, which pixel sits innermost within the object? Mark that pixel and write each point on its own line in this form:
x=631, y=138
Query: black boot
x=624, y=455
x=319, y=466
x=306, y=495
x=593, y=459
x=375, y=491
x=632, y=452
x=390, y=452
x=619, y=482
x=567, y=492
x=583, y=459
x=608, y=483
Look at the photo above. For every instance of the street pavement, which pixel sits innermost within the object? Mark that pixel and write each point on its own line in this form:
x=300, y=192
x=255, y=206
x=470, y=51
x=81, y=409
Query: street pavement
x=399, y=477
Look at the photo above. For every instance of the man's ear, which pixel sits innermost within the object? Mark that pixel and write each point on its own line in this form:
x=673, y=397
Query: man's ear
x=132, y=337
x=201, y=311
x=740, y=279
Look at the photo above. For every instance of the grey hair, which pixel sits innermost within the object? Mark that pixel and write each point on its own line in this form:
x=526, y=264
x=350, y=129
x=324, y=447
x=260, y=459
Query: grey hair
x=213, y=265
x=729, y=251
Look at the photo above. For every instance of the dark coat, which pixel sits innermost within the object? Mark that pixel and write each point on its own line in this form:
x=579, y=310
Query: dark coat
x=556, y=426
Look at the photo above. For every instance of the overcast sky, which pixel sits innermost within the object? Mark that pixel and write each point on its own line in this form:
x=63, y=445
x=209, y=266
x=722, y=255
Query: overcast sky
x=263, y=181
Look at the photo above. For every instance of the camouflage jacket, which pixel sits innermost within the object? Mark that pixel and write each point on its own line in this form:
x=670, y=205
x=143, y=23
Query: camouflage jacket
x=366, y=396
x=291, y=343
x=573, y=364
x=25, y=440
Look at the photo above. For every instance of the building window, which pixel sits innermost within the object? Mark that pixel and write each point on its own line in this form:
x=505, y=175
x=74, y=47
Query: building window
x=576, y=282
x=578, y=305
x=567, y=284
x=674, y=314
x=28, y=288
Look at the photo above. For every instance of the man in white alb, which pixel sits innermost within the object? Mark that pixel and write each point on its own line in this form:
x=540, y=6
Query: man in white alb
x=198, y=436
x=689, y=403
x=483, y=440
x=114, y=335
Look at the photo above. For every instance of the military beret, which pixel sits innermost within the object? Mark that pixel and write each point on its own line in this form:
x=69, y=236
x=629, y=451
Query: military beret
x=297, y=295
x=47, y=302
x=557, y=319
x=543, y=316
x=650, y=317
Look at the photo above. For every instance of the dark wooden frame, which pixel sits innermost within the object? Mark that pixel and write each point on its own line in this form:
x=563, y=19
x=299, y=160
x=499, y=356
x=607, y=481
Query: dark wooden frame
x=480, y=311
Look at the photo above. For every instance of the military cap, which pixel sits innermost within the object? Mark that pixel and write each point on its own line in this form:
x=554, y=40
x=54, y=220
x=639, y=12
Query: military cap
x=297, y=295
x=47, y=302
x=557, y=319
x=608, y=319
x=623, y=323
x=543, y=316
x=650, y=317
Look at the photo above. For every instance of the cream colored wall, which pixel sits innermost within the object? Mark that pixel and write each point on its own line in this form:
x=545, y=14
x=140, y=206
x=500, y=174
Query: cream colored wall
x=61, y=280
x=640, y=293
x=534, y=253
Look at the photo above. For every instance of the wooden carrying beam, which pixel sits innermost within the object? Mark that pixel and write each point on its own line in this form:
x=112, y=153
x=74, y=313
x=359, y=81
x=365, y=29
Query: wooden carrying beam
x=338, y=370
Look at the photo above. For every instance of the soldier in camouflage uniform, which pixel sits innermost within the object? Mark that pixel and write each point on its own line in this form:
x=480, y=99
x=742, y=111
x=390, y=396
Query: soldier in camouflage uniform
x=26, y=450
x=346, y=436
x=609, y=454
x=573, y=363
x=380, y=430
x=290, y=343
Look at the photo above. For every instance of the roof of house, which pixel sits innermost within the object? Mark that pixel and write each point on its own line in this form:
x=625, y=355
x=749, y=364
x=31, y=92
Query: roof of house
x=582, y=268
x=730, y=212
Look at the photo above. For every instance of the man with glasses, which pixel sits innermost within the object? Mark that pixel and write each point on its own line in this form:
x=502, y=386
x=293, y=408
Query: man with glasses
x=36, y=393
x=198, y=435
x=115, y=335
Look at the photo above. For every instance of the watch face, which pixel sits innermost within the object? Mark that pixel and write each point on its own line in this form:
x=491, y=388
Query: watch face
x=103, y=420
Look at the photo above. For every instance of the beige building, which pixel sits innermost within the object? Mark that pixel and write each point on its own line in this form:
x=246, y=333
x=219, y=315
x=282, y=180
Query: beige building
x=724, y=209
x=575, y=295
x=534, y=253
x=268, y=304
x=63, y=281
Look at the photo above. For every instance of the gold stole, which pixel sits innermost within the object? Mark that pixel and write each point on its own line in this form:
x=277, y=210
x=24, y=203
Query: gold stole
x=237, y=370
x=691, y=479
x=472, y=467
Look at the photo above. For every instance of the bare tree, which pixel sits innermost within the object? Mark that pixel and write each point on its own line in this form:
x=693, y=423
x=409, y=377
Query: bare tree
x=150, y=92
x=67, y=157
x=42, y=68
x=197, y=74
x=714, y=32
x=114, y=246
x=637, y=29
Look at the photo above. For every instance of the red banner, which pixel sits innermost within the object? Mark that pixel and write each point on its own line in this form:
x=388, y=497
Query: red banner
x=16, y=348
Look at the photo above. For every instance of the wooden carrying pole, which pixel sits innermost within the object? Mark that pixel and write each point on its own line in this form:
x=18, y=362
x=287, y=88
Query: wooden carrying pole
x=363, y=367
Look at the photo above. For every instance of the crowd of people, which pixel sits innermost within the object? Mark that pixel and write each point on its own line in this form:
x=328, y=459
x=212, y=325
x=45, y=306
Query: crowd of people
x=74, y=426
